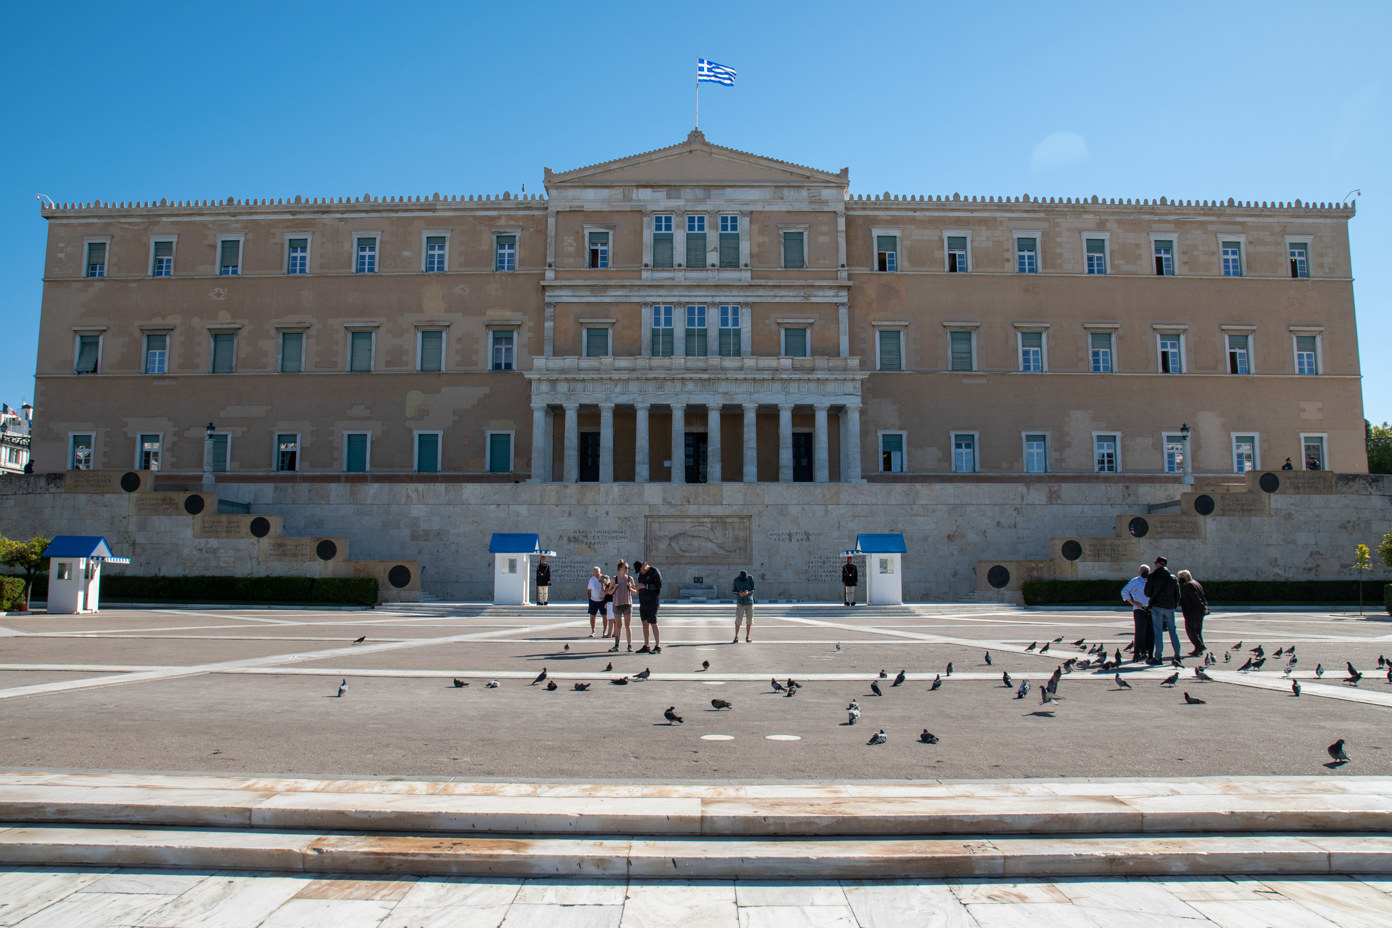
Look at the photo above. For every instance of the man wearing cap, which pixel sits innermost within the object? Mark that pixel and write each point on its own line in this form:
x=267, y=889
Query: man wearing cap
x=850, y=579
x=1134, y=594
x=1162, y=591
x=543, y=582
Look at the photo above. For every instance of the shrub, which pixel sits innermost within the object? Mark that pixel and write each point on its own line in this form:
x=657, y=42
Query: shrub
x=11, y=593
x=1387, y=597
x=1056, y=592
x=360, y=591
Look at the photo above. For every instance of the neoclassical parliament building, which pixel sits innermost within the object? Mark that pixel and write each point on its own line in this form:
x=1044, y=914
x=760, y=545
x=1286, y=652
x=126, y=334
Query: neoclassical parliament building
x=698, y=314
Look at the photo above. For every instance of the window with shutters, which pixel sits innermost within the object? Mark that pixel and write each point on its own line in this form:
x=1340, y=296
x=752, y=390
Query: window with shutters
x=221, y=452
x=1036, y=453
x=1105, y=456
x=892, y=445
x=229, y=256
x=162, y=258
x=1100, y=348
x=360, y=352
x=436, y=254
x=1299, y=254
x=662, y=241
x=795, y=342
x=695, y=241
x=1032, y=352
x=731, y=337
x=357, y=452
x=1313, y=447
x=890, y=349
x=1239, y=347
x=505, y=251
x=1307, y=354
x=504, y=353
x=1163, y=252
x=297, y=255
x=291, y=352
x=430, y=350
x=148, y=453
x=664, y=343
x=1232, y=258
x=794, y=250
x=886, y=253
x=427, y=452
x=366, y=262
x=598, y=255
x=596, y=342
x=499, y=452
x=1027, y=254
x=224, y=353
x=957, y=247
x=695, y=331
x=1174, y=444
x=87, y=354
x=964, y=452
x=962, y=351
x=1095, y=250
x=80, y=451
x=1171, y=348
x=96, y=259
x=156, y=352
x=1244, y=453
x=729, y=241
x=287, y=459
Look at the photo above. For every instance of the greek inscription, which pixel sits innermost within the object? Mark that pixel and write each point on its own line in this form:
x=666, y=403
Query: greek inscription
x=1108, y=550
x=91, y=481
x=1176, y=527
x=1243, y=504
x=157, y=504
x=288, y=549
x=221, y=527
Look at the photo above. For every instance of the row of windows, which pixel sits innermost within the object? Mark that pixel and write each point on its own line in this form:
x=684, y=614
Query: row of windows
x=957, y=251
x=696, y=341
x=1106, y=452
x=356, y=452
x=1033, y=358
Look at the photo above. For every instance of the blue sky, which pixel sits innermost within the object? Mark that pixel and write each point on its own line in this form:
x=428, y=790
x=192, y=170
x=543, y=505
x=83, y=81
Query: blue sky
x=1266, y=101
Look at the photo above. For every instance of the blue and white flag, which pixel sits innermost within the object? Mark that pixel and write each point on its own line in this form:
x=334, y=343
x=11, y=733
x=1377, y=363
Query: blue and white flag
x=714, y=73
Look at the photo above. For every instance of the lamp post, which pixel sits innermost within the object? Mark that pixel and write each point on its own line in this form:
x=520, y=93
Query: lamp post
x=1188, y=477
x=208, y=455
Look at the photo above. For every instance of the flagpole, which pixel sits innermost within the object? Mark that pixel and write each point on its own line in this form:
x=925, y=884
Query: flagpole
x=697, y=121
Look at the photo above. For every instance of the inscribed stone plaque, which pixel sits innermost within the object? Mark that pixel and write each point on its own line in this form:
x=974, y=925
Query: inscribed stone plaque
x=1307, y=481
x=1243, y=504
x=221, y=526
x=93, y=481
x=288, y=549
x=157, y=504
x=687, y=540
x=1177, y=527
x=1109, y=550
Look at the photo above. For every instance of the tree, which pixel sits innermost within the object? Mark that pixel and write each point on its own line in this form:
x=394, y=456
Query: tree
x=1379, y=448
x=27, y=556
x=1363, y=561
x=1385, y=549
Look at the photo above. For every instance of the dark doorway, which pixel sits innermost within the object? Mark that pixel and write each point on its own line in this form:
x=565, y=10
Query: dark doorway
x=696, y=445
x=589, y=457
x=802, y=457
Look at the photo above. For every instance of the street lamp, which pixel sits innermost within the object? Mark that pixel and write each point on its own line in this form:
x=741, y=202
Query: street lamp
x=1188, y=477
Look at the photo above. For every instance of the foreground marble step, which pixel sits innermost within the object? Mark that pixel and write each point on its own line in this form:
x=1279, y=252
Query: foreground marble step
x=696, y=858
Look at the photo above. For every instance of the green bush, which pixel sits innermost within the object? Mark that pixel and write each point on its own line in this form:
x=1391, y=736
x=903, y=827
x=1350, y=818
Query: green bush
x=361, y=591
x=11, y=593
x=1387, y=597
x=1275, y=592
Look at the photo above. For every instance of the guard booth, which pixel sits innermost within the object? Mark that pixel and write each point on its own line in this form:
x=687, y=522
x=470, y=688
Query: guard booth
x=883, y=576
x=74, y=572
x=512, y=566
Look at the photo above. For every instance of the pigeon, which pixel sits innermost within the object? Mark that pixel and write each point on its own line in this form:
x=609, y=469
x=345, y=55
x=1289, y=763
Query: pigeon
x=1295, y=687
x=1351, y=670
x=1381, y=660
x=878, y=737
x=937, y=682
x=875, y=687
x=792, y=691
x=609, y=667
x=1116, y=658
x=1198, y=673
x=540, y=677
x=793, y=684
x=1045, y=649
x=1227, y=657
x=1259, y=651
x=360, y=639
x=1289, y=667
x=928, y=737
x=1130, y=647
x=1389, y=674
x=705, y=665
x=949, y=669
x=643, y=674
x=1023, y=691
x=1123, y=684
x=1079, y=642
x=1208, y=659
x=1033, y=645
x=491, y=685
x=342, y=687
x=551, y=686
x=1278, y=652
x=1258, y=664
x=1354, y=678
x=988, y=658
x=459, y=684
x=581, y=687
x=1005, y=680
x=1319, y=670
x=566, y=648
x=720, y=704
x=621, y=681
x=854, y=704
x=1173, y=678
x=838, y=646
x=1194, y=700
x=1058, y=639
x=1247, y=666
x=899, y=678
x=1048, y=698
x=1336, y=752
x=1068, y=664
x=1237, y=647
x=1052, y=685
x=671, y=716
x=777, y=687
x=883, y=675
x=852, y=715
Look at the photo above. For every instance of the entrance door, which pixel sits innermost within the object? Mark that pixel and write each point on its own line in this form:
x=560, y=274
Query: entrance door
x=696, y=457
x=589, y=457
x=802, y=457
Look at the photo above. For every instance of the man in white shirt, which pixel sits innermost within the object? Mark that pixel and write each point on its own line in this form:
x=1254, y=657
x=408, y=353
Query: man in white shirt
x=1134, y=593
x=596, y=588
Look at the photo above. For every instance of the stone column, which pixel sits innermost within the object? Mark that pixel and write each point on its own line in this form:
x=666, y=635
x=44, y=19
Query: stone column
x=640, y=443
x=785, y=442
x=678, y=443
x=541, y=448
x=751, y=443
x=548, y=331
x=713, y=443
x=606, y=442
x=850, y=425
x=821, y=459
x=571, y=466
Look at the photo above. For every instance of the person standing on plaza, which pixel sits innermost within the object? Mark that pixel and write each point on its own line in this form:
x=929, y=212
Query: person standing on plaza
x=543, y=582
x=850, y=579
x=1134, y=593
x=1162, y=591
x=623, y=590
x=608, y=606
x=649, y=596
x=596, y=593
x=744, y=605
x=1194, y=605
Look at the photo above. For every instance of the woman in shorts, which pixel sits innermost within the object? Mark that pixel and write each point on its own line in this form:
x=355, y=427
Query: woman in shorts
x=623, y=590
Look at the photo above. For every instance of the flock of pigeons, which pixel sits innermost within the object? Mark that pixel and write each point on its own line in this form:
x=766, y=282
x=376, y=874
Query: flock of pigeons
x=1096, y=658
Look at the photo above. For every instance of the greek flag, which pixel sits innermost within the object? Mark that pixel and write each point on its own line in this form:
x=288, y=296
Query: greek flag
x=714, y=73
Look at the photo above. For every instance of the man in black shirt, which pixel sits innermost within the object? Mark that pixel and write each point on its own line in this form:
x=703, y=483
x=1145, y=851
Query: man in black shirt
x=850, y=579
x=649, y=592
x=1162, y=591
x=543, y=582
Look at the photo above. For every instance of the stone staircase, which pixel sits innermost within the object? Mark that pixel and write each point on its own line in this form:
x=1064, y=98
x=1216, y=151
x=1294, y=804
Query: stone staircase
x=1184, y=519
x=217, y=536
x=1258, y=825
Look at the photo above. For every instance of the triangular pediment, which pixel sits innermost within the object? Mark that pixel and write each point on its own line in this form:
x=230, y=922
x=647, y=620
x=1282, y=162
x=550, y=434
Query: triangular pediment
x=695, y=162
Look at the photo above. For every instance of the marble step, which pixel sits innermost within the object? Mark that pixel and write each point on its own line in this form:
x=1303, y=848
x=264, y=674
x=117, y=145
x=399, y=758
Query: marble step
x=696, y=857
x=1226, y=806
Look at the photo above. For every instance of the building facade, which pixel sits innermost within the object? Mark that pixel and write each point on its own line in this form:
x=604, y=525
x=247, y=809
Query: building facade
x=698, y=314
x=14, y=438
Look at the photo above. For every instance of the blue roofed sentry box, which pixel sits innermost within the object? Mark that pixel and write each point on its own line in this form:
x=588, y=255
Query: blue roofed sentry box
x=889, y=543
x=78, y=546
x=514, y=543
